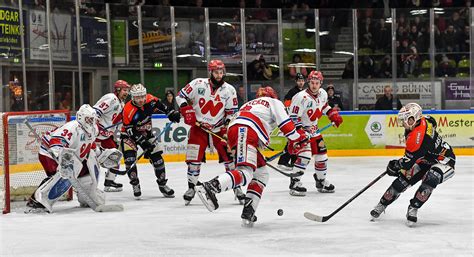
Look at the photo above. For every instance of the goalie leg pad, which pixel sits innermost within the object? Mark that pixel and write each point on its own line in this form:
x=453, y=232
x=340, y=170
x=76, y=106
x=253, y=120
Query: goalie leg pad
x=97, y=195
x=50, y=191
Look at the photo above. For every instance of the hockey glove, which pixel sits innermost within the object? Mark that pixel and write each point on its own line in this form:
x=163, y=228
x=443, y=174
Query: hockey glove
x=334, y=116
x=147, y=146
x=189, y=115
x=393, y=168
x=223, y=132
x=296, y=146
x=174, y=116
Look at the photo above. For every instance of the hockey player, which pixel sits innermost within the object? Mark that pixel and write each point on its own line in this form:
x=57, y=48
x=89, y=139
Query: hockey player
x=136, y=131
x=287, y=161
x=427, y=158
x=109, y=110
x=76, y=138
x=249, y=131
x=305, y=110
x=212, y=103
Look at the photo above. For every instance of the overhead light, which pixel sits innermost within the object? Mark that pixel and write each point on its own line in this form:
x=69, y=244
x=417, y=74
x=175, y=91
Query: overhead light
x=439, y=12
x=305, y=50
x=302, y=65
x=43, y=46
x=223, y=24
x=274, y=66
x=100, y=19
x=418, y=12
x=343, y=52
x=321, y=33
x=98, y=56
x=156, y=24
x=188, y=55
x=233, y=74
x=388, y=20
x=287, y=39
x=438, y=9
x=100, y=41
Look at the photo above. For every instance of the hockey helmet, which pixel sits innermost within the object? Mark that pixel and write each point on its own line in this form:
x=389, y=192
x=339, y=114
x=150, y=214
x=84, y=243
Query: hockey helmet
x=215, y=65
x=316, y=75
x=409, y=115
x=266, y=91
x=138, y=90
x=119, y=84
x=86, y=116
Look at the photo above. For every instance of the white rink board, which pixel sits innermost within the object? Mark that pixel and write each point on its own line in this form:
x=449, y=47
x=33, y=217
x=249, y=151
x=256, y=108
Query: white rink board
x=156, y=226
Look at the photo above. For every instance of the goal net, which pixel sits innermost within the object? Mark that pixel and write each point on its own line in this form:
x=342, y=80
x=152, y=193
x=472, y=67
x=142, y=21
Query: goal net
x=20, y=170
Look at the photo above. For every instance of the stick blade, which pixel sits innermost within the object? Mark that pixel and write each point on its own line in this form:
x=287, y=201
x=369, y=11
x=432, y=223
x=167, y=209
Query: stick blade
x=109, y=208
x=314, y=217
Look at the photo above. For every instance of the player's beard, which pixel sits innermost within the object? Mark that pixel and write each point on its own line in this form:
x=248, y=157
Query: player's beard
x=216, y=83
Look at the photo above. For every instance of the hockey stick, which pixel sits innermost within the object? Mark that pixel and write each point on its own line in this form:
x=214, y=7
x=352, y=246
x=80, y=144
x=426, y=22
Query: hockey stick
x=273, y=157
x=124, y=172
x=288, y=174
x=318, y=218
x=76, y=184
x=113, y=125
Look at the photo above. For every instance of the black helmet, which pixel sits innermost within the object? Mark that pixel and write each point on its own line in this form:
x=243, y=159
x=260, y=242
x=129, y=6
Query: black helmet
x=299, y=76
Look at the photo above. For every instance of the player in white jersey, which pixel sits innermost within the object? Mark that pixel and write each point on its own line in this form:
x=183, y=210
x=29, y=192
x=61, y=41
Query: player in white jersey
x=212, y=103
x=248, y=132
x=109, y=110
x=305, y=110
x=77, y=138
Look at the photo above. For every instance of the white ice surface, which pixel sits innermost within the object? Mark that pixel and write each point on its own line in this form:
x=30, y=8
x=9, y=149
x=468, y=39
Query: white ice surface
x=157, y=226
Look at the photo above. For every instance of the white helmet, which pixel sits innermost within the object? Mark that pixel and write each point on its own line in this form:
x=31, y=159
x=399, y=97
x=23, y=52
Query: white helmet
x=87, y=118
x=137, y=90
x=411, y=110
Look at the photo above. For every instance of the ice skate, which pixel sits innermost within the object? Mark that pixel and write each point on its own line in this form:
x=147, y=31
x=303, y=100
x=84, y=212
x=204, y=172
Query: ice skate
x=378, y=209
x=323, y=185
x=165, y=189
x=207, y=194
x=112, y=186
x=189, y=195
x=296, y=188
x=248, y=214
x=411, y=216
x=33, y=206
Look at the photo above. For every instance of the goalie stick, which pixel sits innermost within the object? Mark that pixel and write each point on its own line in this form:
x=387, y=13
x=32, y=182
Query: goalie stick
x=318, y=218
x=77, y=185
x=124, y=172
x=273, y=157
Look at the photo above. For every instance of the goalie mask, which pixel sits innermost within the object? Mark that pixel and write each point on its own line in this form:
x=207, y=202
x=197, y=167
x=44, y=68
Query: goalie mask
x=216, y=70
x=409, y=115
x=87, y=118
x=138, y=93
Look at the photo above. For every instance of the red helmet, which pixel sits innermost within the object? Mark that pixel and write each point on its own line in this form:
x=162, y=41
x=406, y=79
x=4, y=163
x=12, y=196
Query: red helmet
x=119, y=84
x=316, y=74
x=266, y=91
x=215, y=65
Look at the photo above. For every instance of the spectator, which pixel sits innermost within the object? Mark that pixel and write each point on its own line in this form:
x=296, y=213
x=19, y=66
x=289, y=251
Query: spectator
x=450, y=40
x=383, y=40
x=170, y=101
x=259, y=70
x=366, y=34
x=66, y=103
x=333, y=100
x=241, y=95
x=445, y=69
x=366, y=69
x=386, y=67
x=300, y=81
x=296, y=68
x=349, y=70
x=409, y=60
x=464, y=40
x=385, y=102
x=457, y=22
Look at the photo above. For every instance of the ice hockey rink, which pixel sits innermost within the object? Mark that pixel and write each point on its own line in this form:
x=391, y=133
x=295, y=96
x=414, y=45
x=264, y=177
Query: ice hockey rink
x=157, y=226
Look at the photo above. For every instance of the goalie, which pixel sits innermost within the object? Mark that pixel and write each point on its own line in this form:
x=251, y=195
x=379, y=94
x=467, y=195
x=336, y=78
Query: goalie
x=69, y=157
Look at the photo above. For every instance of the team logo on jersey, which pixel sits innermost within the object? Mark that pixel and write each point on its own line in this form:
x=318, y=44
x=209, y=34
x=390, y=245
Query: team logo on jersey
x=83, y=137
x=209, y=107
x=201, y=91
x=313, y=115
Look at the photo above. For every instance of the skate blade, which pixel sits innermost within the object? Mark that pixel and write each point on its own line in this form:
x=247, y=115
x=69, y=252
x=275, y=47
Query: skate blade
x=247, y=223
x=168, y=196
x=296, y=193
x=112, y=189
x=201, y=192
x=324, y=191
x=186, y=203
x=410, y=224
x=35, y=211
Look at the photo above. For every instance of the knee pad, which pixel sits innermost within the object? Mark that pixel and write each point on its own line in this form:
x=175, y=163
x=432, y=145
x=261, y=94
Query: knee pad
x=194, y=168
x=258, y=184
x=159, y=165
x=433, y=177
x=302, y=160
x=130, y=157
x=261, y=175
x=398, y=186
x=234, y=178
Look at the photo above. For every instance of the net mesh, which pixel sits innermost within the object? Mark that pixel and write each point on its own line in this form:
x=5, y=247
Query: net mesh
x=25, y=171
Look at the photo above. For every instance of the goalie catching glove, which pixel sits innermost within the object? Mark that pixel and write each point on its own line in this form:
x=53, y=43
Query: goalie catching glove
x=109, y=158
